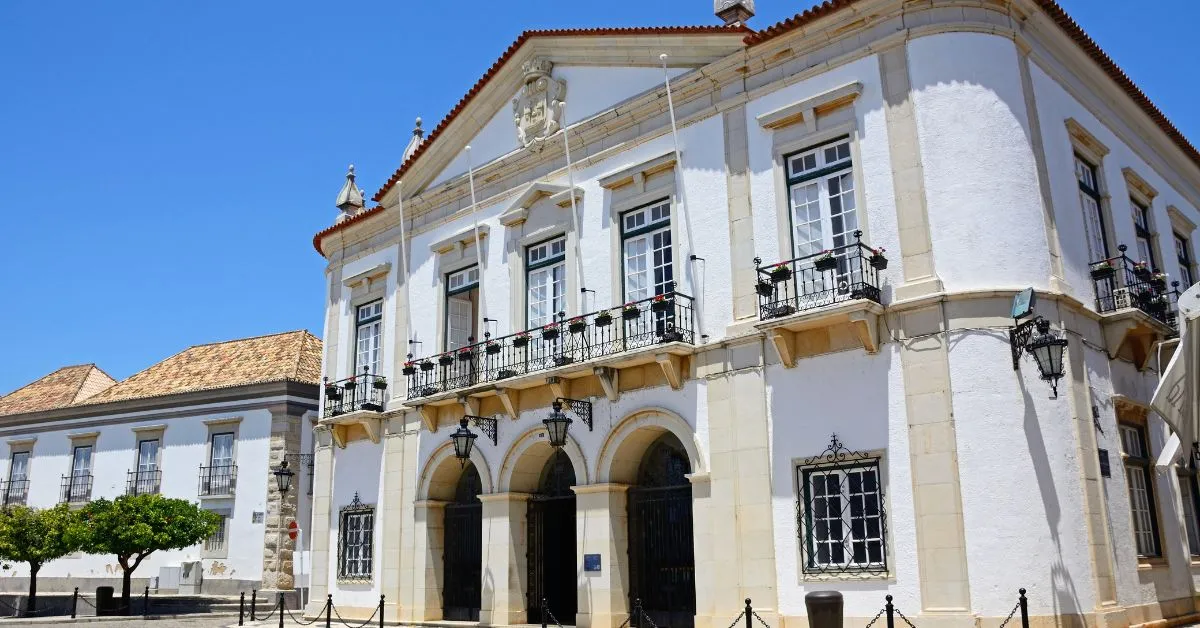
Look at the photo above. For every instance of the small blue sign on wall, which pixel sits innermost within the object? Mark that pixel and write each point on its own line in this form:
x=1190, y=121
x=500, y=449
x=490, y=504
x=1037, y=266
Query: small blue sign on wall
x=591, y=562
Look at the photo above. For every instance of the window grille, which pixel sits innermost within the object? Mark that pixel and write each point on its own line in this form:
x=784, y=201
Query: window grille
x=840, y=514
x=355, y=535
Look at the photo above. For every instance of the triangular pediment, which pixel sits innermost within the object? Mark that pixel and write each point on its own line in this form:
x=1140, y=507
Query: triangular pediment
x=590, y=70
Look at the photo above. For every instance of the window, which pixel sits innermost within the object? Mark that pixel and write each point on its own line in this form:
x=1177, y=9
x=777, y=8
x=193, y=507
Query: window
x=649, y=260
x=1189, y=495
x=81, y=474
x=1141, y=490
x=1093, y=216
x=842, y=524
x=354, y=541
x=216, y=546
x=821, y=198
x=145, y=481
x=1145, y=237
x=1183, y=254
x=462, y=307
x=220, y=477
x=369, y=337
x=222, y=450
x=546, y=278
x=18, y=478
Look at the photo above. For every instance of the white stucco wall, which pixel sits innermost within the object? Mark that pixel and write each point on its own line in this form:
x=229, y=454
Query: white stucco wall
x=357, y=469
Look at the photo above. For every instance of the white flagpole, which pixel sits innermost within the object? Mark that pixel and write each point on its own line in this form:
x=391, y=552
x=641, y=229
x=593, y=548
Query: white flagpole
x=679, y=185
x=404, y=266
x=475, y=227
x=574, y=214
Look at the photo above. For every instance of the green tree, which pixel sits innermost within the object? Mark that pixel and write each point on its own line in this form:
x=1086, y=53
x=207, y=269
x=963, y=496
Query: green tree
x=134, y=526
x=33, y=536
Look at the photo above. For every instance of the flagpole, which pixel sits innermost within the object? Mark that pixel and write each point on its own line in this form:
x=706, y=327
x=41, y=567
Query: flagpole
x=574, y=214
x=475, y=227
x=404, y=267
x=679, y=185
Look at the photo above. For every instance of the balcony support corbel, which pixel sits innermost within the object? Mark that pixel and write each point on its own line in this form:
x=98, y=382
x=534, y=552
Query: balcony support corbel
x=511, y=399
x=338, y=433
x=428, y=416
x=371, y=426
x=608, y=381
x=672, y=368
x=866, y=327
x=783, y=341
x=470, y=405
x=559, y=387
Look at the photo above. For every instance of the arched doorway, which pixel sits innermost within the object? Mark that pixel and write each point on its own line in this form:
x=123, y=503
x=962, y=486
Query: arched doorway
x=551, y=556
x=661, y=551
x=463, y=553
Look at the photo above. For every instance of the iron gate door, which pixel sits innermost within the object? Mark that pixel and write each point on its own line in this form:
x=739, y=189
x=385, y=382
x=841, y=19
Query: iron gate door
x=551, y=558
x=463, y=557
x=662, y=554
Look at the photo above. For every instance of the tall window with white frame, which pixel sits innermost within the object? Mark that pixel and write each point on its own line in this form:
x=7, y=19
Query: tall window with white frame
x=649, y=264
x=1093, y=214
x=841, y=519
x=18, y=478
x=1183, y=253
x=146, y=480
x=546, y=281
x=462, y=307
x=355, y=535
x=822, y=207
x=369, y=337
x=222, y=473
x=80, y=485
x=1141, y=489
x=1144, y=235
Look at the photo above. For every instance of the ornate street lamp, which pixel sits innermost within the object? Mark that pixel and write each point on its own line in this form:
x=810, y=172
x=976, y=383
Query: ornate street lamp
x=464, y=441
x=283, y=477
x=556, y=425
x=1047, y=350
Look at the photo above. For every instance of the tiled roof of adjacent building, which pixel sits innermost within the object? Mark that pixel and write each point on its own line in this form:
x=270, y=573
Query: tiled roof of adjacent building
x=66, y=386
x=290, y=356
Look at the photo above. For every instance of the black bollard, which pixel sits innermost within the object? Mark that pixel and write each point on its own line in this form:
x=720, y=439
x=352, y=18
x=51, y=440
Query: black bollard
x=328, y=608
x=749, y=613
x=545, y=608
x=74, y=601
x=146, y=602
x=253, y=602
x=280, y=602
x=381, y=611
x=242, y=609
x=1024, y=609
x=891, y=612
x=824, y=609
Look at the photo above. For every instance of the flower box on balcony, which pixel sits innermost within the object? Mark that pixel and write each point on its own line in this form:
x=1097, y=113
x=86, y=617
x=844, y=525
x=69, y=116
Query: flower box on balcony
x=332, y=392
x=603, y=319
x=409, y=368
x=670, y=334
x=428, y=390
x=550, y=332
x=492, y=348
x=1142, y=270
x=662, y=303
x=764, y=288
x=466, y=354
x=1159, y=281
x=426, y=365
x=380, y=383
x=350, y=384
x=505, y=373
x=877, y=260
x=1102, y=271
x=563, y=360
x=576, y=325
x=520, y=340
x=630, y=312
x=445, y=359
x=781, y=272
x=825, y=263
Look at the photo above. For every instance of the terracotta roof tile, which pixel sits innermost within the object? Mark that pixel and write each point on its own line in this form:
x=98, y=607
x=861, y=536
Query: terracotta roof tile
x=60, y=388
x=290, y=356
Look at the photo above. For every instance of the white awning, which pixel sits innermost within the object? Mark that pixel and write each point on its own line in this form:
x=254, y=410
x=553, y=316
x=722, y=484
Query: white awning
x=1177, y=398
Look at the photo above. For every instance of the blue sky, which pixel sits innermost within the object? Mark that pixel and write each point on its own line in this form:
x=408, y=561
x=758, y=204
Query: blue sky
x=163, y=165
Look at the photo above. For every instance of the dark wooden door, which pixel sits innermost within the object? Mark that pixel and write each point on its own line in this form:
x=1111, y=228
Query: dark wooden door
x=551, y=555
x=463, y=554
x=661, y=547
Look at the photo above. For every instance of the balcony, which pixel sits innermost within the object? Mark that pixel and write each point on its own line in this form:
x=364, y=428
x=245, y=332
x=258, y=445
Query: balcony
x=805, y=304
x=143, y=482
x=1136, y=306
x=15, y=491
x=358, y=392
x=634, y=334
x=76, y=489
x=218, y=481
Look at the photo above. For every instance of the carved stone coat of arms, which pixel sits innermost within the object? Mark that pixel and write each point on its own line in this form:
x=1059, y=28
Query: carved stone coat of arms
x=537, y=109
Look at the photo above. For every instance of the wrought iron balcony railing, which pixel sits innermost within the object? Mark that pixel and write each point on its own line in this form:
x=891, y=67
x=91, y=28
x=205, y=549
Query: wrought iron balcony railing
x=218, y=480
x=143, y=483
x=1122, y=283
x=845, y=273
x=15, y=491
x=357, y=392
x=638, y=324
x=76, y=489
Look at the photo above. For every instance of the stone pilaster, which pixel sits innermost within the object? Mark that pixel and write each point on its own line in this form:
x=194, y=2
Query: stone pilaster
x=391, y=513
x=322, y=501
x=741, y=223
x=504, y=562
x=281, y=508
x=602, y=527
x=429, y=531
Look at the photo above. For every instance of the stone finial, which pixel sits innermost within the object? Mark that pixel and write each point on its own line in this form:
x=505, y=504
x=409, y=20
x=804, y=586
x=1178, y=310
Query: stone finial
x=418, y=136
x=734, y=12
x=350, y=198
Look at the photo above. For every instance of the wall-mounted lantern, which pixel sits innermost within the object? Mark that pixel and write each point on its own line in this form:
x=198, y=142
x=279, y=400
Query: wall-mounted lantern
x=464, y=439
x=558, y=422
x=1047, y=347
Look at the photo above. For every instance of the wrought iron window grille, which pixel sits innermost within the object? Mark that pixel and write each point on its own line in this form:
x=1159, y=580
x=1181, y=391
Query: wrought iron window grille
x=840, y=514
x=356, y=518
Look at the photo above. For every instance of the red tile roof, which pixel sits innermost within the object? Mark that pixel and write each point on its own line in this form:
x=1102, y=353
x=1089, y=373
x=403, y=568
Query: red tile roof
x=61, y=388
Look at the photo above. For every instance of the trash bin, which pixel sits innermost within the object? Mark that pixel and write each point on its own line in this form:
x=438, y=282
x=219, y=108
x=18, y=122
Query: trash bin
x=105, y=605
x=824, y=609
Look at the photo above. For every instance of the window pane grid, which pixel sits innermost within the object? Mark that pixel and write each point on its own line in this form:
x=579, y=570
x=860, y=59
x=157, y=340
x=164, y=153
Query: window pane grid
x=355, y=541
x=369, y=337
x=1141, y=496
x=841, y=519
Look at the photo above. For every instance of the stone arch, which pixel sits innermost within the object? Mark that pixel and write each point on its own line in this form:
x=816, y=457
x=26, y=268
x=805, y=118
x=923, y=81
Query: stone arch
x=522, y=467
x=622, y=452
x=440, y=477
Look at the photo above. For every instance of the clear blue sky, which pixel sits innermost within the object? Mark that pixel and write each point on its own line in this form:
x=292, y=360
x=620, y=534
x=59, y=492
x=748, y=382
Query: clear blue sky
x=163, y=165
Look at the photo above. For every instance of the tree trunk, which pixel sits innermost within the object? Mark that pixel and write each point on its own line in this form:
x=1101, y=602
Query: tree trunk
x=125, y=577
x=31, y=603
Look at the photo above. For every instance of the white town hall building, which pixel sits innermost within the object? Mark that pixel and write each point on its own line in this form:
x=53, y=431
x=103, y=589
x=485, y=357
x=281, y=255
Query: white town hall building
x=783, y=334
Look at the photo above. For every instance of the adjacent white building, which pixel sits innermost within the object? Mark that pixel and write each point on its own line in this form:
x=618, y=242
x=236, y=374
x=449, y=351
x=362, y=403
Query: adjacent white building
x=784, y=338
x=209, y=424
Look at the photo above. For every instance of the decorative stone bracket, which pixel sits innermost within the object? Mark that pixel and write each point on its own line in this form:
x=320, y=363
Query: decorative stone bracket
x=1132, y=332
x=825, y=331
x=350, y=427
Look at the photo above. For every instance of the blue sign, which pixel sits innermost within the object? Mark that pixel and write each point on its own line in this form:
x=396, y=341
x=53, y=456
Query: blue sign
x=1023, y=303
x=591, y=562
